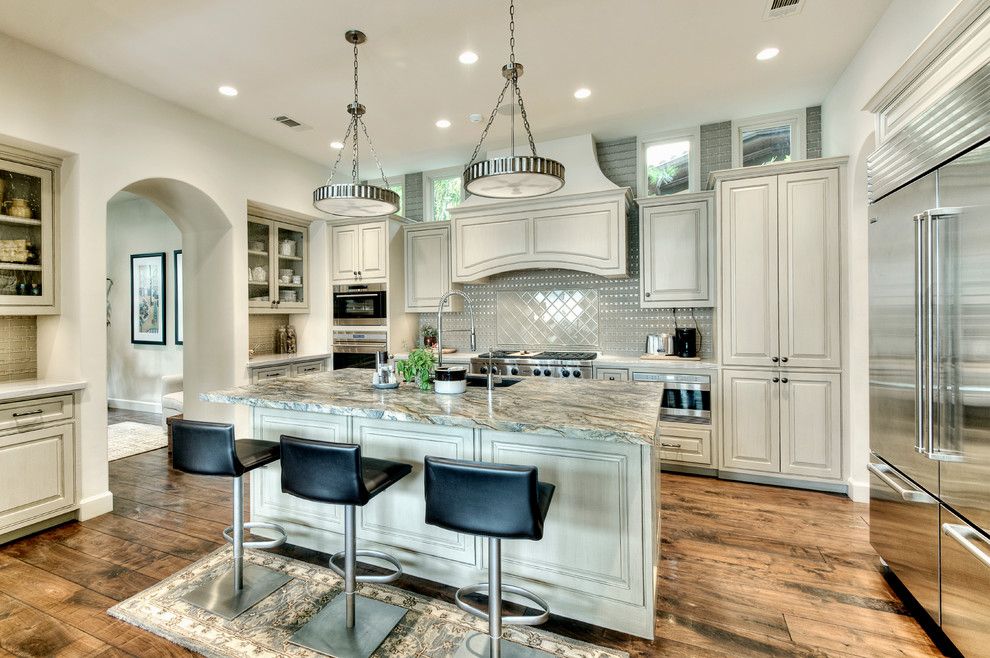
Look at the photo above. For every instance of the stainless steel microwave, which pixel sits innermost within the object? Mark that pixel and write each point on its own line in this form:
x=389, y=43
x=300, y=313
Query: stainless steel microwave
x=360, y=304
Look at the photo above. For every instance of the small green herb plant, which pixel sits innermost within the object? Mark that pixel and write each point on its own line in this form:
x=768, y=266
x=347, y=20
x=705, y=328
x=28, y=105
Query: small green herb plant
x=418, y=367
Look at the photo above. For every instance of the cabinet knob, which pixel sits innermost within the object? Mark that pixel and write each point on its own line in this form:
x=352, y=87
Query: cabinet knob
x=647, y=294
x=784, y=380
x=774, y=359
x=776, y=379
x=783, y=359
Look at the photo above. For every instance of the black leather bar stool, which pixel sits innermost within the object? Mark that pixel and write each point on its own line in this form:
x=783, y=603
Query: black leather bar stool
x=335, y=473
x=497, y=501
x=210, y=449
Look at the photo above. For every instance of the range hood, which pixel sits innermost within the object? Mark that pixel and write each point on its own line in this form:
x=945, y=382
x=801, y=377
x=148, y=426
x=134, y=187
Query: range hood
x=581, y=226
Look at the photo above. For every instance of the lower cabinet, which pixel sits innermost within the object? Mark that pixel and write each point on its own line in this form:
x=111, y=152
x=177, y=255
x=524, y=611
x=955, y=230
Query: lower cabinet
x=297, y=368
x=612, y=374
x=780, y=421
x=686, y=444
x=37, y=470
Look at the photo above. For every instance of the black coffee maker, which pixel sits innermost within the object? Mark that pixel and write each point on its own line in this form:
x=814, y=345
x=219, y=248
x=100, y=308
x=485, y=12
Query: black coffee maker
x=686, y=343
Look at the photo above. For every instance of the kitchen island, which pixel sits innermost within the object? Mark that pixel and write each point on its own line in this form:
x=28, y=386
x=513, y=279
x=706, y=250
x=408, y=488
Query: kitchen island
x=592, y=439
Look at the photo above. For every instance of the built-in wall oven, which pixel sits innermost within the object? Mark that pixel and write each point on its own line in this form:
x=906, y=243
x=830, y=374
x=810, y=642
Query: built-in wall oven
x=356, y=348
x=686, y=398
x=360, y=304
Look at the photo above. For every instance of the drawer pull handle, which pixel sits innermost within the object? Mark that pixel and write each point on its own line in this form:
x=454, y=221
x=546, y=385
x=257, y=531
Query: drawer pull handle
x=967, y=537
x=21, y=414
x=671, y=445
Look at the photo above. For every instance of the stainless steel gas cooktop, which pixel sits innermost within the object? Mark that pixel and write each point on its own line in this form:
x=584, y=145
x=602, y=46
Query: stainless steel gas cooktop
x=526, y=363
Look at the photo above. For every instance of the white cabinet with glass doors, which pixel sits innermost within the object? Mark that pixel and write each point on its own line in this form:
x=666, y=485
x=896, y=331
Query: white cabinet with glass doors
x=278, y=269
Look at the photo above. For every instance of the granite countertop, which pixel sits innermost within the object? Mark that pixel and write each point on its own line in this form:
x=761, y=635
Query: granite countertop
x=594, y=410
x=27, y=388
x=267, y=360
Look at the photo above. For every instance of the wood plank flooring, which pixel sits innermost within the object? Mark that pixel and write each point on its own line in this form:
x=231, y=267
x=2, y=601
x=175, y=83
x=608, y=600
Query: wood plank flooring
x=746, y=570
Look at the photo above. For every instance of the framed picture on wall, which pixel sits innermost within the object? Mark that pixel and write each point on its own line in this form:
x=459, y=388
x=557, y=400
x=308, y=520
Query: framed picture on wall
x=148, y=299
x=177, y=256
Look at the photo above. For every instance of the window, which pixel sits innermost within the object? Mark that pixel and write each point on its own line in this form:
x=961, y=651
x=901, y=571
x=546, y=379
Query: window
x=397, y=186
x=668, y=163
x=441, y=190
x=768, y=139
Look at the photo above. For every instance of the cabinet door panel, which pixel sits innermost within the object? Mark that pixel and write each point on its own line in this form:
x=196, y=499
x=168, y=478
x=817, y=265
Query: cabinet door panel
x=750, y=420
x=427, y=268
x=373, y=262
x=810, y=434
x=675, y=259
x=749, y=271
x=587, y=236
x=486, y=245
x=37, y=476
x=344, y=242
x=809, y=268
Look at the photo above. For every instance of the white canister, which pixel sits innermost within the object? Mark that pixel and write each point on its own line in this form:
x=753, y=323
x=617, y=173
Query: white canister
x=287, y=248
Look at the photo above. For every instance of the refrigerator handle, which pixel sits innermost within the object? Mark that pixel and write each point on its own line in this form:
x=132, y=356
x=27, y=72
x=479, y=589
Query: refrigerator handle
x=919, y=333
x=886, y=475
x=965, y=536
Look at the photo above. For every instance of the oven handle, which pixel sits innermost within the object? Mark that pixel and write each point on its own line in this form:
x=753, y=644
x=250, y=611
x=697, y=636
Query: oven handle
x=352, y=295
x=368, y=348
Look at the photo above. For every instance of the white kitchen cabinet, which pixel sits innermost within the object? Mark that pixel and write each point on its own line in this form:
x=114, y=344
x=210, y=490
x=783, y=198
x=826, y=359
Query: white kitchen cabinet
x=782, y=421
x=275, y=245
x=360, y=252
x=612, y=374
x=677, y=250
x=585, y=232
x=682, y=443
x=781, y=269
x=427, y=248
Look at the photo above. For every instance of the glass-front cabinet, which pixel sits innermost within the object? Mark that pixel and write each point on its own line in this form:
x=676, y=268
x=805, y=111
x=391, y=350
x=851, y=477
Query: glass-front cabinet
x=28, y=254
x=278, y=270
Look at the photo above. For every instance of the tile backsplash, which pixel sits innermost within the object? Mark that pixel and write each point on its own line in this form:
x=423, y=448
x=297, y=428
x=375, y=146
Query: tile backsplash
x=18, y=347
x=550, y=319
x=261, y=332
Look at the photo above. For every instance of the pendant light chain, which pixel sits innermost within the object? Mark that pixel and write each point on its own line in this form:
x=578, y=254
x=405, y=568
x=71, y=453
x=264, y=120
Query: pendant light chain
x=355, y=118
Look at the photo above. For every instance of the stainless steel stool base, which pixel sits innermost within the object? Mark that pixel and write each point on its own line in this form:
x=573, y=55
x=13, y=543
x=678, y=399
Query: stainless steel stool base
x=327, y=631
x=378, y=555
x=228, y=534
x=518, y=620
x=479, y=645
x=218, y=596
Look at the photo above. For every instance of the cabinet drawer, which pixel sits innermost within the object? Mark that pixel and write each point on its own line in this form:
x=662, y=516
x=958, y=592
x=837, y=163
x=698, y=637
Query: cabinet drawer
x=612, y=374
x=261, y=374
x=34, y=412
x=310, y=366
x=692, y=445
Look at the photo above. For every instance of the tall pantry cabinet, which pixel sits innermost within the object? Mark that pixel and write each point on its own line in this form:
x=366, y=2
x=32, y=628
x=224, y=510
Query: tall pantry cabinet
x=780, y=319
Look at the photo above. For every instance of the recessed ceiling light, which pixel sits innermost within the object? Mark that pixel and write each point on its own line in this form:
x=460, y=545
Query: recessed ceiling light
x=583, y=92
x=467, y=57
x=475, y=118
x=336, y=145
x=767, y=53
x=443, y=123
x=227, y=90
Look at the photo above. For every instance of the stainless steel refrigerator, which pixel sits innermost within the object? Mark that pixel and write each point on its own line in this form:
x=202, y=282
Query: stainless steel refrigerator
x=930, y=393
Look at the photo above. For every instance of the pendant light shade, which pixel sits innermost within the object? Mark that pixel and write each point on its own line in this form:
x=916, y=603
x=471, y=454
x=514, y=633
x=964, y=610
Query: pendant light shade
x=515, y=176
x=355, y=199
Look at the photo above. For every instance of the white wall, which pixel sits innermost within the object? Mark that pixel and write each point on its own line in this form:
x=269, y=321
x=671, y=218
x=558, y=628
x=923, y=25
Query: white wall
x=113, y=135
x=135, y=225
x=848, y=130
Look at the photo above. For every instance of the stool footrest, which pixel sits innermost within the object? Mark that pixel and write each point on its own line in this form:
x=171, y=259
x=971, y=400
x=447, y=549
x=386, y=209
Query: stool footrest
x=516, y=620
x=386, y=578
x=228, y=534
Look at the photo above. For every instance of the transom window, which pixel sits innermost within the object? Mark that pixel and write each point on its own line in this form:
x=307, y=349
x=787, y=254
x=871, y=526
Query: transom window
x=668, y=164
x=768, y=139
x=442, y=189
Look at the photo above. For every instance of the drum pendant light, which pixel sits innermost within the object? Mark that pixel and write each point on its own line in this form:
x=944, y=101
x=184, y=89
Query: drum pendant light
x=355, y=199
x=515, y=176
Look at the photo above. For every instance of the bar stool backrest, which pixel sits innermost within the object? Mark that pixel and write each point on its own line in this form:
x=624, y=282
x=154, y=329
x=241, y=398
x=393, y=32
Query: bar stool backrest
x=481, y=498
x=205, y=448
x=322, y=471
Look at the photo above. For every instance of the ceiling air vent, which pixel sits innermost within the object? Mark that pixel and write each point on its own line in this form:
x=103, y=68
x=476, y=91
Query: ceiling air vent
x=781, y=8
x=289, y=122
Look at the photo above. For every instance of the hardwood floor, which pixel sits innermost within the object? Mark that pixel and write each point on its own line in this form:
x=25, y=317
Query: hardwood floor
x=746, y=570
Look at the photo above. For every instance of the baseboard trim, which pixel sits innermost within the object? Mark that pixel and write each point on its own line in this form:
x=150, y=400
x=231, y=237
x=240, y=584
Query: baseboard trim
x=793, y=483
x=134, y=405
x=94, y=506
x=859, y=491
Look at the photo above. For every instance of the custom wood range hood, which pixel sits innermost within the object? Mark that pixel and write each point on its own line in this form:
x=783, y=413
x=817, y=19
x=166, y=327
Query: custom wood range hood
x=580, y=227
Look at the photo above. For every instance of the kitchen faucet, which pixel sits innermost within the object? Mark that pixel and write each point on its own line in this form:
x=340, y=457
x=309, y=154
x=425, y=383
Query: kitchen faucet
x=470, y=310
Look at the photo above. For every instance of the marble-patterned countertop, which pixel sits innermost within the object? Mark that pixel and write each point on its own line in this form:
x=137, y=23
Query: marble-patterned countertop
x=29, y=388
x=589, y=409
x=267, y=360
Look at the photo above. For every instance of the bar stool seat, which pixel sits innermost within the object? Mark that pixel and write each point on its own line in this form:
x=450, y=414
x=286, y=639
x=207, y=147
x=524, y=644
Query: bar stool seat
x=497, y=501
x=202, y=448
x=336, y=473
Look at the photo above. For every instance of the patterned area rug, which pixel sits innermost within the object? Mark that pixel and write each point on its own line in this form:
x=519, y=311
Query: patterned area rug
x=130, y=438
x=430, y=629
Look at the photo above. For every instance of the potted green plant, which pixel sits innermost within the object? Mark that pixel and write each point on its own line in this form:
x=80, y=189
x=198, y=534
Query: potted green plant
x=429, y=336
x=418, y=367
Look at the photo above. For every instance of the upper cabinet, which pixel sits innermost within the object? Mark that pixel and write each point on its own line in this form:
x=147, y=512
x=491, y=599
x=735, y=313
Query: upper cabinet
x=780, y=265
x=278, y=264
x=28, y=233
x=360, y=252
x=428, y=271
x=677, y=250
x=584, y=232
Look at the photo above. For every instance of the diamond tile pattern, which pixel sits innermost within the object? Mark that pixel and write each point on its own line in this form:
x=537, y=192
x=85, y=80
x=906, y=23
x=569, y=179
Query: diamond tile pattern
x=547, y=319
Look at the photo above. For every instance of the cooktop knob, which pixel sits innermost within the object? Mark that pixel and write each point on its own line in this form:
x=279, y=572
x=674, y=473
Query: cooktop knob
x=565, y=373
x=484, y=370
x=546, y=372
x=577, y=373
x=515, y=371
x=536, y=372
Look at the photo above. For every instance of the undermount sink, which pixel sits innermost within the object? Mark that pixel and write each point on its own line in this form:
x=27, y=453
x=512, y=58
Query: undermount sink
x=481, y=380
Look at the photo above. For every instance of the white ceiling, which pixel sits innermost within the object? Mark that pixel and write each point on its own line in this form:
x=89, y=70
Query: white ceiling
x=652, y=65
